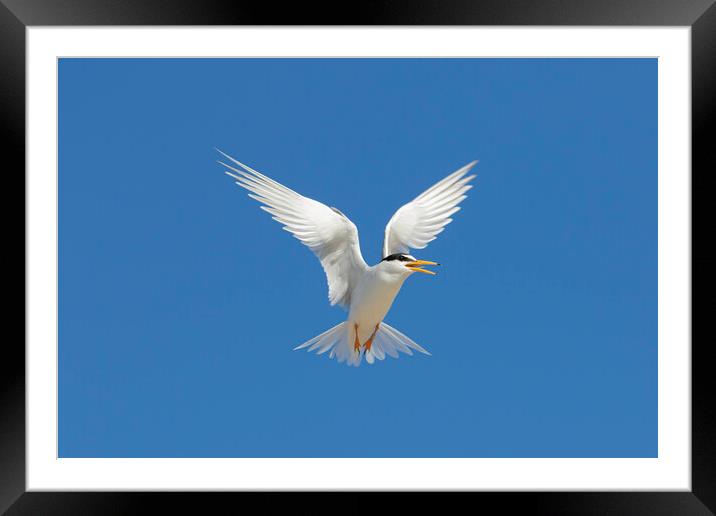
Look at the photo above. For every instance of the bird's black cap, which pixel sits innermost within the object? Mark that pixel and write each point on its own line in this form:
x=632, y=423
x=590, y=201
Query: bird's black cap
x=402, y=257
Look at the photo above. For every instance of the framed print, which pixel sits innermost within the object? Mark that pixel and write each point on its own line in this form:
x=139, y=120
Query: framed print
x=176, y=340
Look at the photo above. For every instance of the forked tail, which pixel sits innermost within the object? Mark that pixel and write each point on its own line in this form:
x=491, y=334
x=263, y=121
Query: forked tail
x=338, y=340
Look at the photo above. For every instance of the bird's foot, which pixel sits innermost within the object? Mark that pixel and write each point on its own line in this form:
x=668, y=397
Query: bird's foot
x=369, y=342
x=356, y=342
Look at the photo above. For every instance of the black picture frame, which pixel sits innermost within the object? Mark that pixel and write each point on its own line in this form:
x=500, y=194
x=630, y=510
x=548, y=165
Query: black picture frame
x=16, y=15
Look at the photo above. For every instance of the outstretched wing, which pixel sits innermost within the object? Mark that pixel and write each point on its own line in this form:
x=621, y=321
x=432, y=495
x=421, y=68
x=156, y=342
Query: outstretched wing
x=419, y=222
x=331, y=236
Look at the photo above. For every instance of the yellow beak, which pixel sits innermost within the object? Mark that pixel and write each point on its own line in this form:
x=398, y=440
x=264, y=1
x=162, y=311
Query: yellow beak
x=415, y=266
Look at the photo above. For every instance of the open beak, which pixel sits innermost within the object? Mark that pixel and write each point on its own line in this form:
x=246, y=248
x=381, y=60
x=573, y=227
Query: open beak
x=415, y=266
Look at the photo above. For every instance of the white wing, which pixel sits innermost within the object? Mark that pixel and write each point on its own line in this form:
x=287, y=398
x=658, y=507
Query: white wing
x=419, y=222
x=326, y=231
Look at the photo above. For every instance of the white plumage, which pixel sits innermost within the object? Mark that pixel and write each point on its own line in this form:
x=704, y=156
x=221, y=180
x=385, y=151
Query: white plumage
x=367, y=292
x=419, y=222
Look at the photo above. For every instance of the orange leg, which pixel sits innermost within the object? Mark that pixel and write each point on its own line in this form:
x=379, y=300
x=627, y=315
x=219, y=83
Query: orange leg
x=369, y=342
x=356, y=342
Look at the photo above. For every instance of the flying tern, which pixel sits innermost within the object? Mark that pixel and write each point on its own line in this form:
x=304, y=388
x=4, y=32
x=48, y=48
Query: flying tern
x=366, y=292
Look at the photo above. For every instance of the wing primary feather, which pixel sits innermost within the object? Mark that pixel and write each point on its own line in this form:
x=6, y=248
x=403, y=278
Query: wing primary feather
x=327, y=232
x=446, y=182
x=418, y=222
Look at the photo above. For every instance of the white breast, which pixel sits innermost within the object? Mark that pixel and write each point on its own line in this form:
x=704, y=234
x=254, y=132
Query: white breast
x=372, y=299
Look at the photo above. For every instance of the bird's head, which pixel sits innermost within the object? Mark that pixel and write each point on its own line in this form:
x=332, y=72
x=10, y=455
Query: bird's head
x=406, y=264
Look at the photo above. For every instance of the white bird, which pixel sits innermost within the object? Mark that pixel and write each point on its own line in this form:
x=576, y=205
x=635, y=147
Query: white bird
x=367, y=292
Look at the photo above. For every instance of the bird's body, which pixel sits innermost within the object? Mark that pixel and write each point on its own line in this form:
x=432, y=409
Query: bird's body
x=373, y=296
x=366, y=292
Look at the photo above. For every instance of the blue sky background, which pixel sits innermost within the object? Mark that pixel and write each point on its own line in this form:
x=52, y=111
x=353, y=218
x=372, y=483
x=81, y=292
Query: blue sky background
x=180, y=300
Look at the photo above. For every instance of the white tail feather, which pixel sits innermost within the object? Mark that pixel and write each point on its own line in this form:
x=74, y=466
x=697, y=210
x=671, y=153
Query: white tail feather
x=388, y=341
